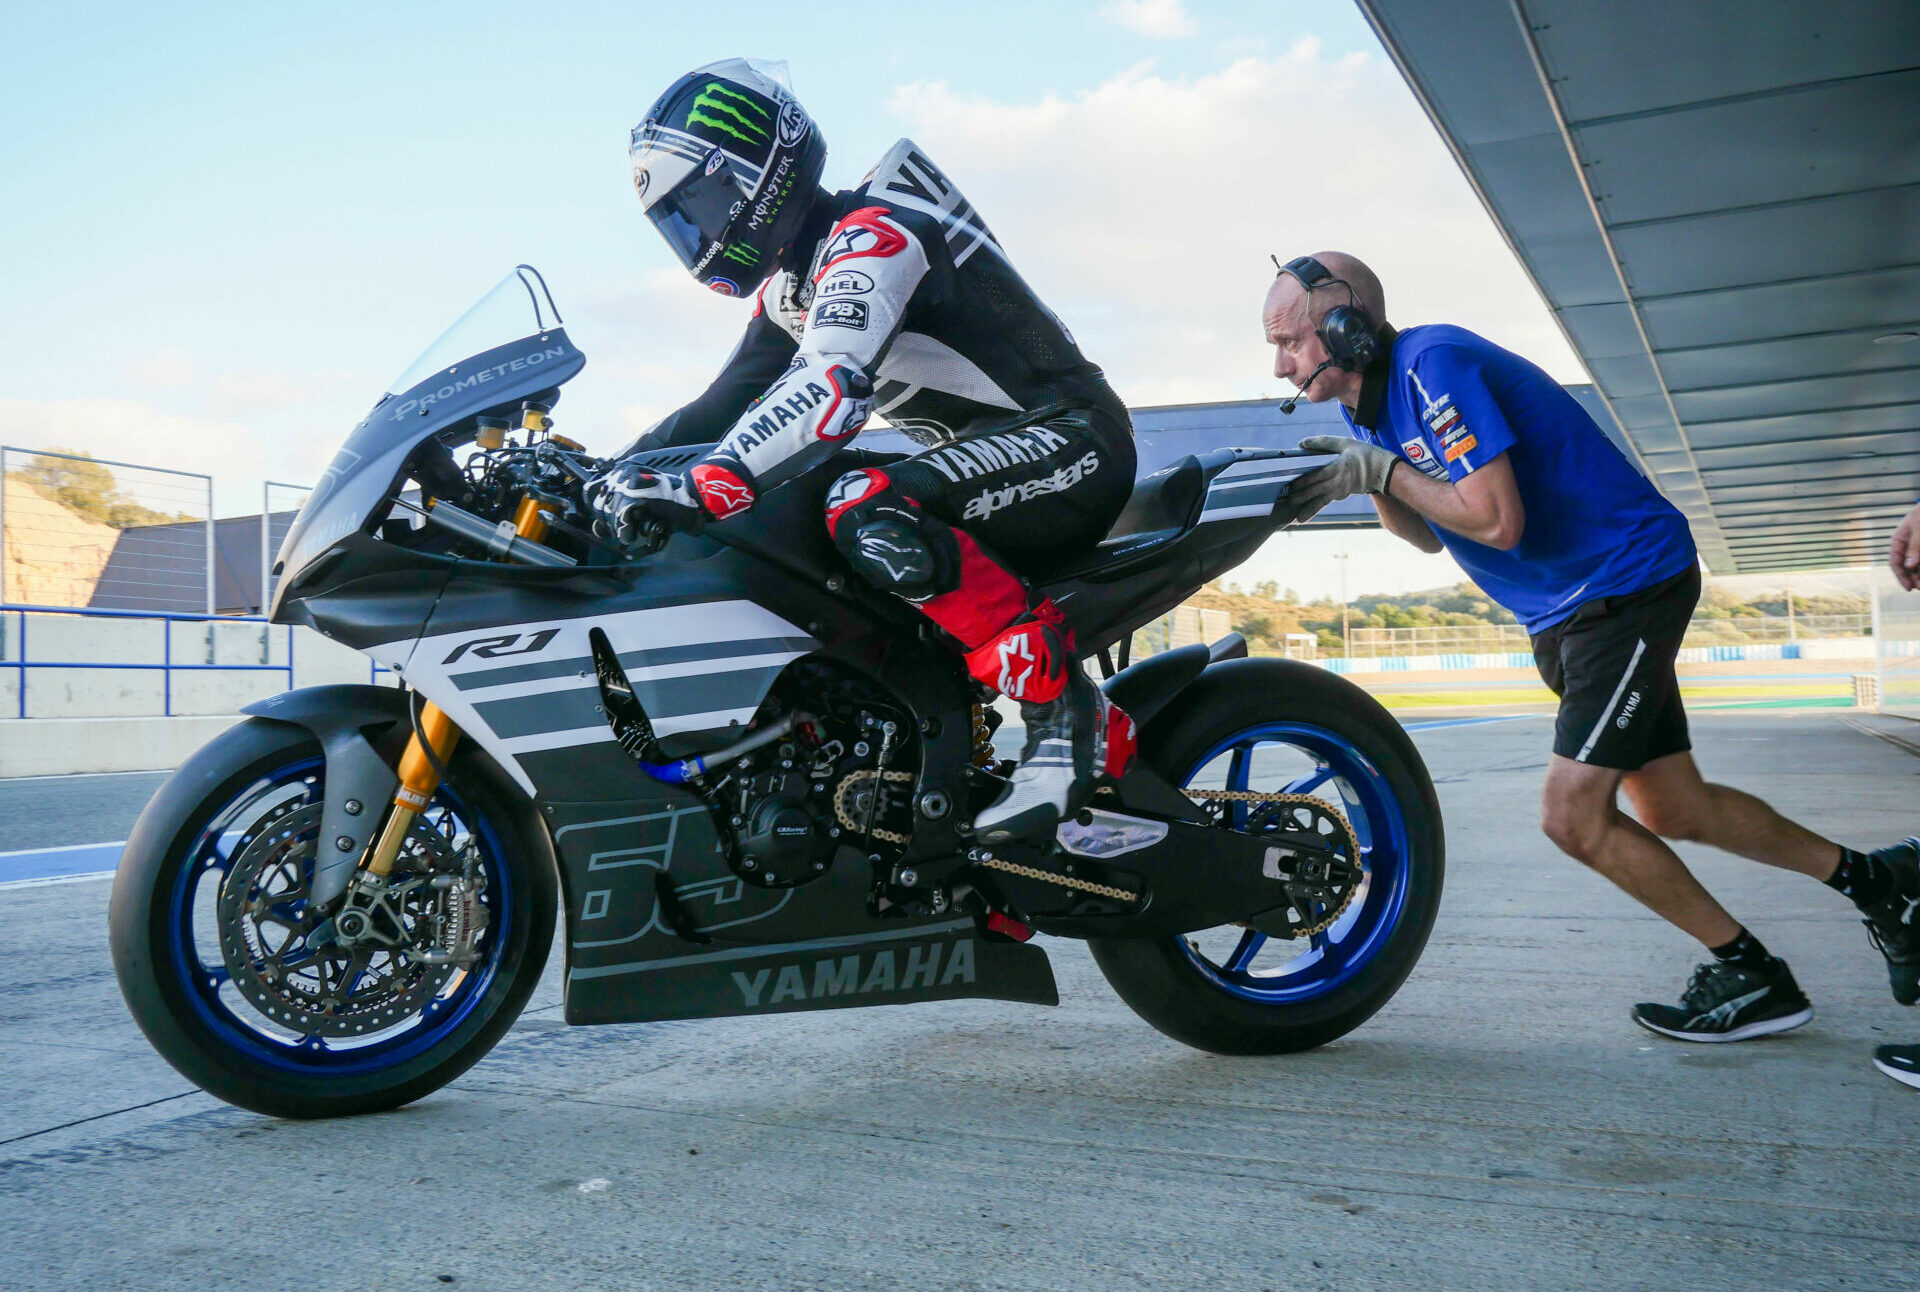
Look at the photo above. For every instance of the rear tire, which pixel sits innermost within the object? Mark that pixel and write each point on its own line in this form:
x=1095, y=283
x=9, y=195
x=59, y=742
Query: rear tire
x=181, y=993
x=1263, y=705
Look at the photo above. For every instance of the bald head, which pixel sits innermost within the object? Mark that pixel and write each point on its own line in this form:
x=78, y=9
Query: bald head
x=1292, y=317
x=1352, y=270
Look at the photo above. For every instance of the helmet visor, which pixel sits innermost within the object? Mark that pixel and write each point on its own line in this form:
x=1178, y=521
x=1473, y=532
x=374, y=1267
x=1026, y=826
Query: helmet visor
x=696, y=213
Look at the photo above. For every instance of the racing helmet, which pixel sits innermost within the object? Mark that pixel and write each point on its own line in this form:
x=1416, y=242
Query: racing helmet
x=726, y=163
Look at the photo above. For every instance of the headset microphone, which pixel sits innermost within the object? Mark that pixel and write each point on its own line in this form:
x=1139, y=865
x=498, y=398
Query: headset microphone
x=1286, y=405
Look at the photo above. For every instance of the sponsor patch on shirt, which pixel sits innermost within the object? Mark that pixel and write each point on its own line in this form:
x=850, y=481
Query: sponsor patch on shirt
x=1422, y=457
x=1459, y=444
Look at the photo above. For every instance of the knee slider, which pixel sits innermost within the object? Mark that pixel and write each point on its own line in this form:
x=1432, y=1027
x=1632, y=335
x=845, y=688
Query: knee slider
x=894, y=555
x=890, y=543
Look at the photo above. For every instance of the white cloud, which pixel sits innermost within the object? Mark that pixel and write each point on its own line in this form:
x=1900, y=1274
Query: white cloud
x=1161, y=19
x=1144, y=210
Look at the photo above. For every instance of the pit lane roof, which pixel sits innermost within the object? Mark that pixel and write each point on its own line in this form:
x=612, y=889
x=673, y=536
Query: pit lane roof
x=1720, y=202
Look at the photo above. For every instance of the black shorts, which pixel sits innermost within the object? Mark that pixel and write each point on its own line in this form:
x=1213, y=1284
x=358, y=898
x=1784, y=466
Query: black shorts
x=1611, y=664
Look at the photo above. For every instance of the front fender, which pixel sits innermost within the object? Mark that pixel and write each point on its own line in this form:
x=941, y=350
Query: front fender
x=359, y=782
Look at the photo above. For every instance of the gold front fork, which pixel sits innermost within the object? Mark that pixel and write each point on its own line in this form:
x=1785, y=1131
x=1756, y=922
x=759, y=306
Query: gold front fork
x=418, y=779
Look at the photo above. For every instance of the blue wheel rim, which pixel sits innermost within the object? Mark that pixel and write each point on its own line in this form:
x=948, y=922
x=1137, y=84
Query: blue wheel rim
x=1271, y=971
x=212, y=998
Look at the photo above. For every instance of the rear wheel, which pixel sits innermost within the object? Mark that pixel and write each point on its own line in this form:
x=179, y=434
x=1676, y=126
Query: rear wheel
x=231, y=974
x=1277, y=726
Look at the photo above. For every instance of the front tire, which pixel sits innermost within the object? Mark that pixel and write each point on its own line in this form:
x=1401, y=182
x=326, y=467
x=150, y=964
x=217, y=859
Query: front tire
x=1279, y=725
x=173, y=942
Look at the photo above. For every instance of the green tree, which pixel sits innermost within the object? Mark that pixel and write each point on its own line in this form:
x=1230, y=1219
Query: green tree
x=1254, y=625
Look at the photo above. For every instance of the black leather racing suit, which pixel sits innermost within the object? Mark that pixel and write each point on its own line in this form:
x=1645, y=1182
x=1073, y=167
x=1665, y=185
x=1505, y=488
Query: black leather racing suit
x=901, y=302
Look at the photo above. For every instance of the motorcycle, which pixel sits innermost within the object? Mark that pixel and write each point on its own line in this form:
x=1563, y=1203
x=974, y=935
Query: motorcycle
x=746, y=777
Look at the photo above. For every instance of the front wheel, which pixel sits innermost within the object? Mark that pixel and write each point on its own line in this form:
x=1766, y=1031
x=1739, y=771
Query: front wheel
x=233, y=977
x=1279, y=726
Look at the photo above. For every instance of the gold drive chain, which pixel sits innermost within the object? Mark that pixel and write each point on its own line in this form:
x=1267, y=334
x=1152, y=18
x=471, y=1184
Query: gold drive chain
x=843, y=811
x=843, y=806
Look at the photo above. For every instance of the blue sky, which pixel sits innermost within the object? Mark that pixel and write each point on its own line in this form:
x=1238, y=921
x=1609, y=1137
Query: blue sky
x=231, y=224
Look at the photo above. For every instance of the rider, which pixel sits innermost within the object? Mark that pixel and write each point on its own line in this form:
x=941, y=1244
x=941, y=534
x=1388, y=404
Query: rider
x=892, y=298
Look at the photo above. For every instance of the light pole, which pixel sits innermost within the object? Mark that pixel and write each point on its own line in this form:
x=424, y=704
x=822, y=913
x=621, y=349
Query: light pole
x=1346, y=638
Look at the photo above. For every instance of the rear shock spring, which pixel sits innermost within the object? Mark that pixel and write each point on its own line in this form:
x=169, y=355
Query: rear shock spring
x=983, y=755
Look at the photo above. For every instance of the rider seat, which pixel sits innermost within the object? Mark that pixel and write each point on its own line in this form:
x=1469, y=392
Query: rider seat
x=1161, y=508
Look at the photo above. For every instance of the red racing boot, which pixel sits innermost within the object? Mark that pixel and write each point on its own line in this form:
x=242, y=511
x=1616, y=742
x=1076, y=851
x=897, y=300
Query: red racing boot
x=1075, y=735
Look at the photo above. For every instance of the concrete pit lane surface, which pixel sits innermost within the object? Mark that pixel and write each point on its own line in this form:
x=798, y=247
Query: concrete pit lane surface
x=1501, y=1124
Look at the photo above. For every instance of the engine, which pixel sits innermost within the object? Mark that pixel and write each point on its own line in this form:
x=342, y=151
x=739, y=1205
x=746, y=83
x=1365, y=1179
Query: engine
x=842, y=778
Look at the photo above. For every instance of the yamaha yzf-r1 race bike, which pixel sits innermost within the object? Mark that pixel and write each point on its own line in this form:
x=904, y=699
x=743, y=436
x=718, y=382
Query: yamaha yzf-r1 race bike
x=745, y=777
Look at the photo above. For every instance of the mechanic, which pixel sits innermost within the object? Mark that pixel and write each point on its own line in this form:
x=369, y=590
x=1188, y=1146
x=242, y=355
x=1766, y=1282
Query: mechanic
x=1467, y=447
x=892, y=298
x=1902, y=1062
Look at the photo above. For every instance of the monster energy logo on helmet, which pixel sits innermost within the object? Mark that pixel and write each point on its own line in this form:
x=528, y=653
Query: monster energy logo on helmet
x=744, y=254
x=731, y=112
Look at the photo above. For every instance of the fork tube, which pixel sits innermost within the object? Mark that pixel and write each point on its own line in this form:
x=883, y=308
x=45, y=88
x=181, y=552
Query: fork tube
x=418, y=780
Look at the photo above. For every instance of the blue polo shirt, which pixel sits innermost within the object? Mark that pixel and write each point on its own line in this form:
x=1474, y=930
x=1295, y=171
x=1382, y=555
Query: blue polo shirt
x=1448, y=402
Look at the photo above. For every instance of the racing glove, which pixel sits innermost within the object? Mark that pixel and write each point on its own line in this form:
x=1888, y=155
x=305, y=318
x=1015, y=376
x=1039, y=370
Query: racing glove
x=1359, y=468
x=636, y=507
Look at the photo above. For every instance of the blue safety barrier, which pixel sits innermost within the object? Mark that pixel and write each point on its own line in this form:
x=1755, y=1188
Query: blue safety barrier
x=167, y=667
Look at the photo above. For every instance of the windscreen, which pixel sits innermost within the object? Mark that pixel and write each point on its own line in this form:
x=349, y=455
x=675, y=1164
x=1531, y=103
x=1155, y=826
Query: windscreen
x=520, y=306
x=508, y=347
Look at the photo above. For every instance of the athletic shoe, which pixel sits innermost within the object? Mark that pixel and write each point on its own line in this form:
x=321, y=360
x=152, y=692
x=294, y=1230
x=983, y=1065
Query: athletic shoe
x=1729, y=1001
x=1892, y=924
x=1074, y=741
x=1901, y=1062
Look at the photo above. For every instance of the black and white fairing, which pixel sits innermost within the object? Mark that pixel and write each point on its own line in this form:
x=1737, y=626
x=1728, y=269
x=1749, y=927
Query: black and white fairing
x=699, y=669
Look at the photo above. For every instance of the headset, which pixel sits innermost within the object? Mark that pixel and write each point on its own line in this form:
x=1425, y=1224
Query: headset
x=1348, y=331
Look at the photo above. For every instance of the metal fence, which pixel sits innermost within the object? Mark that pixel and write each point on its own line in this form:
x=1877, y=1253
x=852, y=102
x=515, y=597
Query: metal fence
x=1493, y=639
x=1450, y=639
x=1183, y=626
x=82, y=531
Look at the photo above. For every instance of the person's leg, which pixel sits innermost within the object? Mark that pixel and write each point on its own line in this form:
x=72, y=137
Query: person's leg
x=1612, y=664
x=1743, y=991
x=932, y=529
x=1579, y=813
x=1673, y=801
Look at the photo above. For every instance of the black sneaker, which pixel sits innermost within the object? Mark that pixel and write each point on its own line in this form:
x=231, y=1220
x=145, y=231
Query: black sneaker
x=1728, y=1001
x=1892, y=922
x=1901, y=1062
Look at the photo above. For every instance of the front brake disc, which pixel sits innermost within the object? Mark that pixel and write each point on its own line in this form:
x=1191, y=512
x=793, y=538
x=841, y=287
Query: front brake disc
x=331, y=990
